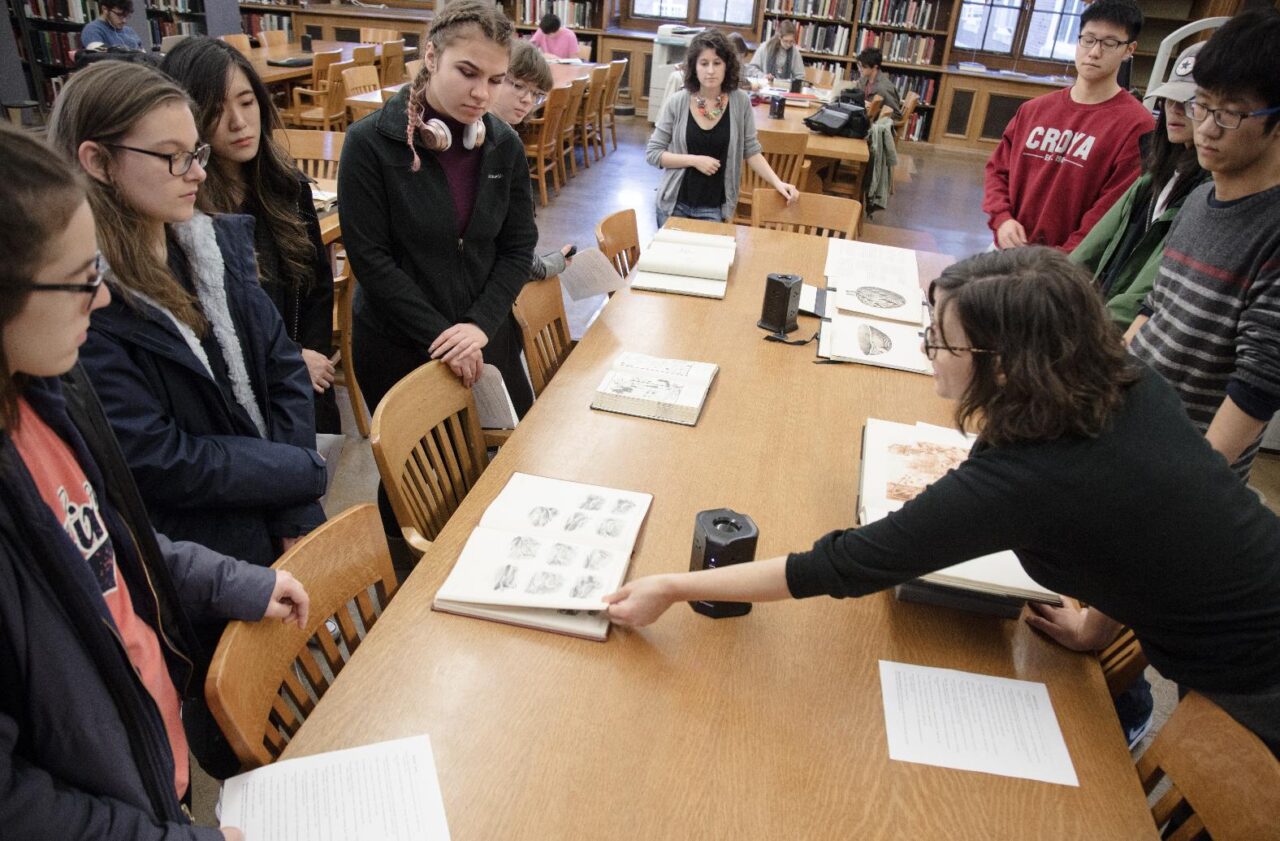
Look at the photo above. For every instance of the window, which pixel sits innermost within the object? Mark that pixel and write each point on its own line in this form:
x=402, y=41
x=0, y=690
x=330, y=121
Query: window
x=678, y=9
x=739, y=12
x=1053, y=29
x=989, y=25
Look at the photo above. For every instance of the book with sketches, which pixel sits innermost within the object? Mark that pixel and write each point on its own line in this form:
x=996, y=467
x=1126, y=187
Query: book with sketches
x=672, y=390
x=884, y=299
x=686, y=263
x=851, y=262
x=898, y=462
x=887, y=344
x=387, y=791
x=590, y=274
x=544, y=554
x=493, y=401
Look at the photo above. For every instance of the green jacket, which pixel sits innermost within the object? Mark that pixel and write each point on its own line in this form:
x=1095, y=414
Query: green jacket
x=1138, y=274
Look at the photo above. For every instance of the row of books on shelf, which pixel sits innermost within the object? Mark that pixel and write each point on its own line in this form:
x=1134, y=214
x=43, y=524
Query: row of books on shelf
x=921, y=14
x=75, y=11
x=183, y=6
x=834, y=9
x=924, y=86
x=575, y=14
x=161, y=28
x=816, y=37
x=918, y=126
x=51, y=47
x=253, y=23
x=900, y=46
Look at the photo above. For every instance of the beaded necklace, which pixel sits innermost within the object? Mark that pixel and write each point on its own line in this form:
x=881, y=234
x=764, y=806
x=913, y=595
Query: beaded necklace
x=714, y=113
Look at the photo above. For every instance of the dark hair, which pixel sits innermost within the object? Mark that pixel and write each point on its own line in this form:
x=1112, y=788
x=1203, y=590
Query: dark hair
x=1165, y=159
x=550, y=23
x=1059, y=367
x=39, y=193
x=125, y=6
x=712, y=39
x=1123, y=13
x=528, y=65
x=1241, y=58
x=870, y=57
x=202, y=66
x=738, y=43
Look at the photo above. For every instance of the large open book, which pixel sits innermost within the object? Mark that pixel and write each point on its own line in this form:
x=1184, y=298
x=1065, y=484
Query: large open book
x=686, y=263
x=880, y=308
x=898, y=462
x=649, y=387
x=544, y=554
x=870, y=341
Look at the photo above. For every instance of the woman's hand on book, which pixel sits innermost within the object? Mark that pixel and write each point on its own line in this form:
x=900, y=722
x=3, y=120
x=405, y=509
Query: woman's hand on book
x=641, y=601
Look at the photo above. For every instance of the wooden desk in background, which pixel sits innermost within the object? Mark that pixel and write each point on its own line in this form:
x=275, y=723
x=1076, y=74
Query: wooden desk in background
x=363, y=103
x=849, y=151
x=274, y=75
x=768, y=726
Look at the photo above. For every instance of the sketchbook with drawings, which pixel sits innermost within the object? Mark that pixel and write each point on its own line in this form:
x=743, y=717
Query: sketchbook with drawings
x=545, y=553
x=672, y=390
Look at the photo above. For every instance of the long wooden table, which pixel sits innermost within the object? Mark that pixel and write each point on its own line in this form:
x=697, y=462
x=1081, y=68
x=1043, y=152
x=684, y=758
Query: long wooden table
x=273, y=75
x=362, y=103
x=850, y=151
x=768, y=726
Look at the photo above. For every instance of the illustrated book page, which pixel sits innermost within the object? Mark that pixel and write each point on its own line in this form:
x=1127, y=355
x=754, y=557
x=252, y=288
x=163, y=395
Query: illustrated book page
x=647, y=386
x=851, y=338
x=882, y=299
x=861, y=263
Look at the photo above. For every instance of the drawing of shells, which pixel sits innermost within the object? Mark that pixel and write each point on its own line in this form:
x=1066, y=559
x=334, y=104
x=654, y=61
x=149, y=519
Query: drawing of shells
x=544, y=582
x=597, y=559
x=872, y=341
x=623, y=506
x=522, y=548
x=593, y=502
x=576, y=521
x=505, y=578
x=541, y=515
x=562, y=555
x=881, y=299
x=585, y=586
x=609, y=528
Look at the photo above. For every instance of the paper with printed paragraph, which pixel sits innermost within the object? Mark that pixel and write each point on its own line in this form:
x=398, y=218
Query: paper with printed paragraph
x=973, y=722
x=382, y=792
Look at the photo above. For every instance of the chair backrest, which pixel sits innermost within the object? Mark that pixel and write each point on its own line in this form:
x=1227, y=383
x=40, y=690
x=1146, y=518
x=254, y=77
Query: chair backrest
x=1122, y=662
x=617, y=69
x=544, y=329
x=335, y=89
x=909, y=104
x=238, y=40
x=264, y=680
x=812, y=213
x=429, y=448
x=364, y=54
x=584, y=51
x=361, y=79
x=273, y=37
x=374, y=35
x=320, y=64
x=392, y=62
x=1218, y=770
x=818, y=77
x=411, y=69
x=573, y=107
x=595, y=94
x=618, y=238
x=549, y=122
x=784, y=150
x=316, y=153
x=874, y=104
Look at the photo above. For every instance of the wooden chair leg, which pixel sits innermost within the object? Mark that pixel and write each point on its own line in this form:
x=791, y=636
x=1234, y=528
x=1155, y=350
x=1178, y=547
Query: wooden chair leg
x=585, y=139
x=613, y=130
x=542, y=183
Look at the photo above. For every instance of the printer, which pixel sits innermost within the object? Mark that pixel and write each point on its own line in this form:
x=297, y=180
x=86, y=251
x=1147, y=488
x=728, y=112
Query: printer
x=669, y=49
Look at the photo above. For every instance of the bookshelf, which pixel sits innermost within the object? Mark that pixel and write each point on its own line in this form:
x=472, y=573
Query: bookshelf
x=176, y=17
x=585, y=17
x=47, y=33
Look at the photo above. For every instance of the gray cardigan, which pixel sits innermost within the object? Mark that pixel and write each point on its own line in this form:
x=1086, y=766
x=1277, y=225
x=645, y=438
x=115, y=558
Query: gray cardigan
x=669, y=136
x=763, y=59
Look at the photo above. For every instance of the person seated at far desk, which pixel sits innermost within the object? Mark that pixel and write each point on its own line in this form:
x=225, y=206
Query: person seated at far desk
x=1087, y=467
x=779, y=58
x=873, y=82
x=112, y=28
x=554, y=39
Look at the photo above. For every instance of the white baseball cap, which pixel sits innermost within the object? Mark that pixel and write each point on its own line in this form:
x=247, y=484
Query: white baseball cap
x=1181, y=84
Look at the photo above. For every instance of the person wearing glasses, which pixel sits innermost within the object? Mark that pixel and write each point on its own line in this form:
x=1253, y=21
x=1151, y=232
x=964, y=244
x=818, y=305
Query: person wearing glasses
x=1066, y=157
x=1086, y=467
x=95, y=605
x=523, y=90
x=1211, y=325
x=1124, y=249
x=204, y=389
x=112, y=28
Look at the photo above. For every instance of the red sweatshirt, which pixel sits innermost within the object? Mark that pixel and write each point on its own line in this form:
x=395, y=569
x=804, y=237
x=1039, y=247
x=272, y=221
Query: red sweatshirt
x=1061, y=165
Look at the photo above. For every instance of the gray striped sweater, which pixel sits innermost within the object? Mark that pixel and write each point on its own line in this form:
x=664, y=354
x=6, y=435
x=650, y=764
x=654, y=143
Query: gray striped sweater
x=1214, y=329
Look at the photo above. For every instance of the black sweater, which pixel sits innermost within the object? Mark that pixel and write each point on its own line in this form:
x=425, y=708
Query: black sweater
x=1146, y=522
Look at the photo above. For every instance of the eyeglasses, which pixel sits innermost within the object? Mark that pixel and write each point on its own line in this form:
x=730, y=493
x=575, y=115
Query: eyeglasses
x=179, y=162
x=1088, y=42
x=931, y=346
x=89, y=289
x=524, y=91
x=1223, y=117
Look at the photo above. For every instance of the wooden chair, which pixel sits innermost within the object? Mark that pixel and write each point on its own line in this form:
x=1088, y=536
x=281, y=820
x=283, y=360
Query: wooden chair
x=590, y=137
x=411, y=69
x=273, y=37
x=812, y=213
x=316, y=153
x=365, y=55
x=569, y=127
x=1219, y=772
x=238, y=40
x=874, y=104
x=373, y=35
x=392, y=63
x=584, y=51
x=618, y=238
x=544, y=330
x=263, y=680
x=543, y=150
x=1122, y=662
x=328, y=109
x=344, y=291
x=819, y=78
x=784, y=150
x=617, y=69
x=909, y=104
x=429, y=448
x=363, y=78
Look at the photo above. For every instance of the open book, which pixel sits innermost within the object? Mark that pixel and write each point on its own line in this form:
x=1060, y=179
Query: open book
x=544, y=554
x=880, y=308
x=898, y=462
x=648, y=387
x=686, y=263
x=887, y=344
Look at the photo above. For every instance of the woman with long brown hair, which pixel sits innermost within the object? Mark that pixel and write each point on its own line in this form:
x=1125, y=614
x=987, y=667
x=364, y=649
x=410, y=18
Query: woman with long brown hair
x=1087, y=467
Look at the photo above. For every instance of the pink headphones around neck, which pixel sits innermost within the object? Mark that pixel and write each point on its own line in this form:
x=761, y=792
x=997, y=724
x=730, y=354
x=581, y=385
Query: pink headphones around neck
x=437, y=137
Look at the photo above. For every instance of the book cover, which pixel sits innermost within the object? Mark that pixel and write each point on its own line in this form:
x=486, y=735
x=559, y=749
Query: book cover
x=671, y=390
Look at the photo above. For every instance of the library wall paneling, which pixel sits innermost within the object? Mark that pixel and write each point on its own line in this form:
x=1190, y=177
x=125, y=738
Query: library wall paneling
x=974, y=108
x=635, y=82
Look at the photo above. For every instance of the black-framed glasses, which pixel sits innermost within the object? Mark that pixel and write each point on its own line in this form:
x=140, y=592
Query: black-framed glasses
x=931, y=346
x=524, y=90
x=1224, y=117
x=179, y=162
x=88, y=289
x=1088, y=42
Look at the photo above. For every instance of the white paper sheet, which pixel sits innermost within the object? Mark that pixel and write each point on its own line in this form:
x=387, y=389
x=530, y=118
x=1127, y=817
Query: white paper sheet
x=590, y=274
x=853, y=261
x=381, y=792
x=973, y=722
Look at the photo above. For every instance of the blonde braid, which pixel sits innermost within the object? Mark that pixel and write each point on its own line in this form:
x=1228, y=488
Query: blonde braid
x=416, y=105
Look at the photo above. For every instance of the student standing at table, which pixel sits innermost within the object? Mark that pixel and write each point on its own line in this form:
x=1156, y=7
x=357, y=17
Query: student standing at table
x=554, y=39
x=1124, y=249
x=778, y=59
x=112, y=27
x=97, y=648
x=1087, y=467
x=704, y=135
x=250, y=173
x=1068, y=156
